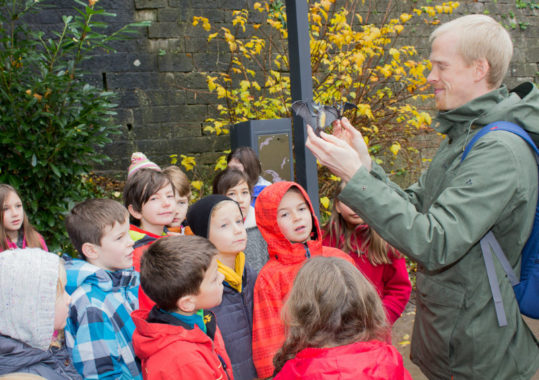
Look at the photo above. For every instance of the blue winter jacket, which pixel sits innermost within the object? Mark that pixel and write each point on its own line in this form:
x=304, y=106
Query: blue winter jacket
x=99, y=327
x=235, y=320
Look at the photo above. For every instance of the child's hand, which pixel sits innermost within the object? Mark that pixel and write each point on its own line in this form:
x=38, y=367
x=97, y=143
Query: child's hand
x=170, y=233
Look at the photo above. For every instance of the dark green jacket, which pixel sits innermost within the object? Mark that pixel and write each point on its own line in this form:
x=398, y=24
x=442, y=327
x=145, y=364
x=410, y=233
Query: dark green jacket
x=439, y=221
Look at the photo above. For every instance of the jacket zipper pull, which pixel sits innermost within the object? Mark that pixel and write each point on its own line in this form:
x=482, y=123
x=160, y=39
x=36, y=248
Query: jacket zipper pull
x=307, y=252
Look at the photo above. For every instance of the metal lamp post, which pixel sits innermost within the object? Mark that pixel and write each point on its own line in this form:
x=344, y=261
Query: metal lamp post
x=301, y=83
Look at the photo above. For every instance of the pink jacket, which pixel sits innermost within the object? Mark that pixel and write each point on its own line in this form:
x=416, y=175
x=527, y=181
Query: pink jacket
x=12, y=245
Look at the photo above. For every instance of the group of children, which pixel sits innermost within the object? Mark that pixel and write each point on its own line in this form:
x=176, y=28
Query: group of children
x=229, y=288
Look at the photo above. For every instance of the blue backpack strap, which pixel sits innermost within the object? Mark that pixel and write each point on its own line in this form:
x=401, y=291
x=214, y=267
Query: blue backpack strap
x=490, y=245
x=500, y=126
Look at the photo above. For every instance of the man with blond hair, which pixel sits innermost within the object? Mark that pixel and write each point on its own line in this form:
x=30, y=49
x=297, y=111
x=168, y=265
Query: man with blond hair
x=440, y=220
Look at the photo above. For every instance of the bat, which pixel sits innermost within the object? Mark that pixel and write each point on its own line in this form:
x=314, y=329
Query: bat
x=319, y=116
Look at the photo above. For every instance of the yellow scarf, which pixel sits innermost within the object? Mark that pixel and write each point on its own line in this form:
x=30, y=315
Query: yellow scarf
x=233, y=276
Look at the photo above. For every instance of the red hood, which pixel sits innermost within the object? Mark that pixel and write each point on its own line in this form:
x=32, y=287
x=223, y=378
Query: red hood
x=150, y=338
x=279, y=247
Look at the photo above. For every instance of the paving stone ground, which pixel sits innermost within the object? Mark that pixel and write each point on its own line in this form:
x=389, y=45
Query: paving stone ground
x=402, y=333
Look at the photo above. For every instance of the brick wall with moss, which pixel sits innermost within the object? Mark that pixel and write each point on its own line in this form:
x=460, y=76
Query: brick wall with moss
x=163, y=97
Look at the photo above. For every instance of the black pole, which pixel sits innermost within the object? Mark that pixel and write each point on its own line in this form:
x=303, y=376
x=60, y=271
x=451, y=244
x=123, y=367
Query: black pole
x=301, y=87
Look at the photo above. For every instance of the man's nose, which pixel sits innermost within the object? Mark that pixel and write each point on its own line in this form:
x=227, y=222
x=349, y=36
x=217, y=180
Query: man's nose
x=433, y=76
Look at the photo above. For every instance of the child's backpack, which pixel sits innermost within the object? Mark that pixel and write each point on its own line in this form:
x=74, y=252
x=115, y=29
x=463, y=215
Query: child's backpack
x=527, y=290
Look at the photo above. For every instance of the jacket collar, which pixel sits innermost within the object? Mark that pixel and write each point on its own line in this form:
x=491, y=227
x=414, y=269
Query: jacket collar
x=82, y=272
x=142, y=237
x=479, y=112
x=158, y=316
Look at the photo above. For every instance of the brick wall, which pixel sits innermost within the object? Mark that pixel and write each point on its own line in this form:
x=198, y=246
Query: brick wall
x=162, y=96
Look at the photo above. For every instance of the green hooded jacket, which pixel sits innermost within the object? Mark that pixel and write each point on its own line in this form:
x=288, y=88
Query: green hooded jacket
x=439, y=222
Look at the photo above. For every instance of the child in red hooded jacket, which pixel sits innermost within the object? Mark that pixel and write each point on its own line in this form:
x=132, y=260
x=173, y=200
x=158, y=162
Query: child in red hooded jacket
x=285, y=218
x=336, y=326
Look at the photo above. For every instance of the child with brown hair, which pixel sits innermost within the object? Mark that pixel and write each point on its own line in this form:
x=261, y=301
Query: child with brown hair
x=382, y=264
x=335, y=327
x=183, y=191
x=286, y=219
x=179, y=338
x=244, y=159
x=150, y=198
x=219, y=219
x=235, y=185
x=104, y=291
x=15, y=228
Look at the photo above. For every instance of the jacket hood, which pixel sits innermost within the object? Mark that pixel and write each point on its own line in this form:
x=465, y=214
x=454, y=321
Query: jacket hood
x=150, y=338
x=82, y=272
x=279, y=247
x=28, y=287
x=519, y=106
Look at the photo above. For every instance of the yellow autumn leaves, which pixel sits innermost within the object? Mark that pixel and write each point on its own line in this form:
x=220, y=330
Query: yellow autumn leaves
x=351, y=60
x=359, y=64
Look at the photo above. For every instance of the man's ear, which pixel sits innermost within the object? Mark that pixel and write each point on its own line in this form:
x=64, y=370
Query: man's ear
x=90, y=251
x=134, y=214
x=187, y=304
x=482, y=68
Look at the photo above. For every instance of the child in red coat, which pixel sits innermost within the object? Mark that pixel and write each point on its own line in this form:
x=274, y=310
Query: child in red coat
x=150, y=197
x=336, y=325
x=285, y=218
x=383, y=265
x=179, y=337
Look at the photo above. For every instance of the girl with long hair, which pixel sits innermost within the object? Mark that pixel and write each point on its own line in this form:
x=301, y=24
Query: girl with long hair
x=15, y=228
x=244, y=159
x=382, y=264
x=335, y=325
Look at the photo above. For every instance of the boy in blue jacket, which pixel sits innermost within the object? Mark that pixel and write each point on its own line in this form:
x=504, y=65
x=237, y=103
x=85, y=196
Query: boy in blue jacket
x=104, y=291
x=219, y=219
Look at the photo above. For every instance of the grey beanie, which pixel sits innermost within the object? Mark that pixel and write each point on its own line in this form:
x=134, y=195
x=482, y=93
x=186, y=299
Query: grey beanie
x=28, y=283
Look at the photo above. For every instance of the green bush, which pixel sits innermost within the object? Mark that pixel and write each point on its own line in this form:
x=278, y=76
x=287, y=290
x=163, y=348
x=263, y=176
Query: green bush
x=52, y=123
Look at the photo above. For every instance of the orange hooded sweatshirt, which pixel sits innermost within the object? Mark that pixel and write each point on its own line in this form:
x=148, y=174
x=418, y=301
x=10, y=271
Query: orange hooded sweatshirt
x=276, y=278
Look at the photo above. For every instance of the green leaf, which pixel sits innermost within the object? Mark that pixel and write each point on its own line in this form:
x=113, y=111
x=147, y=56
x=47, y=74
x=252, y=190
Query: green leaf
x=55, y=170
